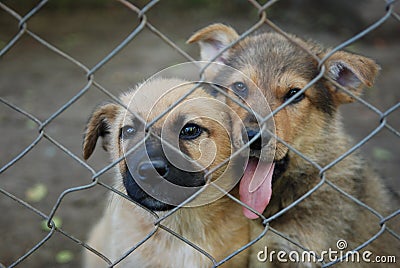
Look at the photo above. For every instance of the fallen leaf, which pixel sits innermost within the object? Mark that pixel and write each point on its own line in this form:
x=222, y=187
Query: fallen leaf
x=57, y=221
x=36, y=193
x=64, y=256
x=381, y=154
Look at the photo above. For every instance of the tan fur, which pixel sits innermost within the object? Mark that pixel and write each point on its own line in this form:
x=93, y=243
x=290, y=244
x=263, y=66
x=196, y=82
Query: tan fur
x=219, y=228
x=312, y=126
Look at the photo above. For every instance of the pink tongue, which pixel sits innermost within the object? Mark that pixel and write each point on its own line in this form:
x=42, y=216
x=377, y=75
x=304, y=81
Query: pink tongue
x=255, y=186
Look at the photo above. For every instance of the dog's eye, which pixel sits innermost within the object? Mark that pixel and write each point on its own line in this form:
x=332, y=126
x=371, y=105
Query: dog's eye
x=190, y=132
x=240, y=88
x=127, y=132
x=293, y=92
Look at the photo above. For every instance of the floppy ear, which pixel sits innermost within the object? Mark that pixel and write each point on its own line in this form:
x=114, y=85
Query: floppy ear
x=352, y=72
x=98, y=126
x=212, y=39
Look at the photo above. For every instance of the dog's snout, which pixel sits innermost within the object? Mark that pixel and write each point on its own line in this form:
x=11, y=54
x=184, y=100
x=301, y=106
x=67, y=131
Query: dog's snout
x=146, y=169
x=256, y=144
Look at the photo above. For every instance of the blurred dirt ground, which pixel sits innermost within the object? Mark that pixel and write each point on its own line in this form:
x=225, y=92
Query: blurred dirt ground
x=40, y=81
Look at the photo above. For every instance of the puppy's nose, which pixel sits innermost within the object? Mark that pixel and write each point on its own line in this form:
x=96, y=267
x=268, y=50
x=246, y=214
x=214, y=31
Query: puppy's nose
x=146, y=169
x=255, y=145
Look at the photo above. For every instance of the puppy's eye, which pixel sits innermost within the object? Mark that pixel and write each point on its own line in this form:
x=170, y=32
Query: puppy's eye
x=292, y=92
x=190, y=132
x=127, y=132
x=240, y=87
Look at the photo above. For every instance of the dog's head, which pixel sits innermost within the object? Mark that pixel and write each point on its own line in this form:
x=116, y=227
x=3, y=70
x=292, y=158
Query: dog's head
x=166, y=148
x=279, y=68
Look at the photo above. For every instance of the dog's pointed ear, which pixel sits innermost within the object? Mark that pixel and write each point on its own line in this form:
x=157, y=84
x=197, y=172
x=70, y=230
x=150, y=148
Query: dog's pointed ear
x=212, y=40
x=98, y=126
x=352, y=72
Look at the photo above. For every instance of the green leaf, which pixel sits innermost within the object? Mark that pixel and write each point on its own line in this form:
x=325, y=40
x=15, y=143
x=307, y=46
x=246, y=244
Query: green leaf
x=381, y=154
x=36, y=193
x=64, y=256
x=57, y=221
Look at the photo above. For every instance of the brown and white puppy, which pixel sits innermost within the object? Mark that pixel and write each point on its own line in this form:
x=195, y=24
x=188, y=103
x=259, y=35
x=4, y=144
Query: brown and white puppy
x=311, y=124
x=201, y=128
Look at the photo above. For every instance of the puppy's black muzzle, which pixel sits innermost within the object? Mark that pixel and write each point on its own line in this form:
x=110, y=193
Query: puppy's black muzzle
x=148, y=169
x=255, y=150
x=256, y=145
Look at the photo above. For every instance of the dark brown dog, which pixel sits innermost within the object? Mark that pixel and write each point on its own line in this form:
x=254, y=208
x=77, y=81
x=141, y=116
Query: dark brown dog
x=311, y=124
x=201, y=128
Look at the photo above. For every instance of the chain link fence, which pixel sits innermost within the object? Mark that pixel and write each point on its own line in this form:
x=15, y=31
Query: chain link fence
x=44, y=133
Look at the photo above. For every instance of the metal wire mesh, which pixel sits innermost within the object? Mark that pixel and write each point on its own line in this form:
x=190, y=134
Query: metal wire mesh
x=41, y=126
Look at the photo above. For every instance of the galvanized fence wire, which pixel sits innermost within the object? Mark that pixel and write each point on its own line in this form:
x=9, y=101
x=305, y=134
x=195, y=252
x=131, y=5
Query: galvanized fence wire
x=140, y=14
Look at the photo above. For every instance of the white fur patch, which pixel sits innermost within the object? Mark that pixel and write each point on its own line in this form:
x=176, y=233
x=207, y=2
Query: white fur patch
x=335, y=69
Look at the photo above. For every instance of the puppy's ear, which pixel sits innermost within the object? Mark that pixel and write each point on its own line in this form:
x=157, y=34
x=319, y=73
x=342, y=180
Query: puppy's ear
x=98, y=126
x=212, y=39
x=352, y=72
